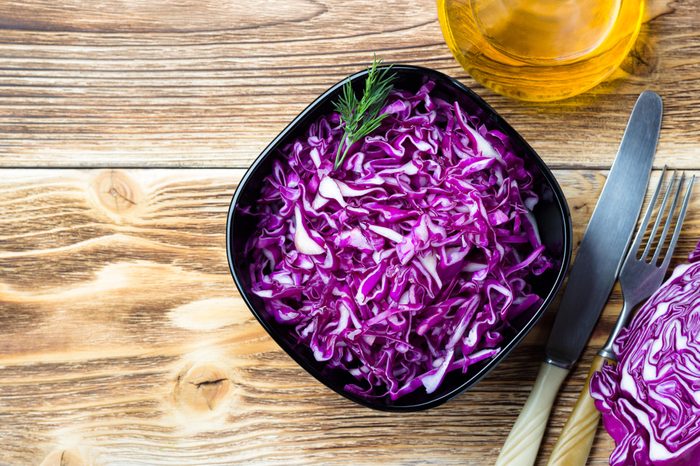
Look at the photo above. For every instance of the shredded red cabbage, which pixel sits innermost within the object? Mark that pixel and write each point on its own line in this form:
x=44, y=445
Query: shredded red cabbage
x=650, y=400
x=409, y=261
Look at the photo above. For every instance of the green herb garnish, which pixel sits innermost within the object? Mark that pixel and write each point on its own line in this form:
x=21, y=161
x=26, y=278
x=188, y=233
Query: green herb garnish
x=361, y=117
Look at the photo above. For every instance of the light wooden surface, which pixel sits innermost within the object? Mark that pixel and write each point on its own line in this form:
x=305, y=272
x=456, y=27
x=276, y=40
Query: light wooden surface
x=124, y=128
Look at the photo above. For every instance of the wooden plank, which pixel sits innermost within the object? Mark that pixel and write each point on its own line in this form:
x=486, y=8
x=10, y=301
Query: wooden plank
x=125, y=341
x=208, y=84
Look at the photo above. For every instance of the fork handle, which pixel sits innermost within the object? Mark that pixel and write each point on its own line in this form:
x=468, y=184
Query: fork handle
x=576, y=439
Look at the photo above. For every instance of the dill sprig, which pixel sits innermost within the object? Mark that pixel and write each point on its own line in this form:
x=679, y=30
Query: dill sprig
x=361, y=117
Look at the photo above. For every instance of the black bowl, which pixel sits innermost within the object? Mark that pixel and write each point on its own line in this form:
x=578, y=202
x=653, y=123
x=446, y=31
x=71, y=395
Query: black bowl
x=551, y=213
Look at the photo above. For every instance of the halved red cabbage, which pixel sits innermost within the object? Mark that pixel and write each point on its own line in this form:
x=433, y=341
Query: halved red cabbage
x=409, y=261
x=650, y=401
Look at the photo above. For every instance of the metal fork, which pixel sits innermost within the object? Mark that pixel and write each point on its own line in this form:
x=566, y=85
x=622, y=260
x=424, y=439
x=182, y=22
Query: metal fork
x=640, y=276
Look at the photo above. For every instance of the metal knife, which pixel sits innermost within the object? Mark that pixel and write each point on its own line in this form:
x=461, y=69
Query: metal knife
x=592, y=276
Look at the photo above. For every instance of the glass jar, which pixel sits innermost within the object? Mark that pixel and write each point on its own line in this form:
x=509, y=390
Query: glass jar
x=540, y=50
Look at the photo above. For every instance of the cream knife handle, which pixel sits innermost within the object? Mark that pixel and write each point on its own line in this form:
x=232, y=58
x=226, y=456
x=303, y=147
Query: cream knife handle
x=523, y=442
x=575, y=441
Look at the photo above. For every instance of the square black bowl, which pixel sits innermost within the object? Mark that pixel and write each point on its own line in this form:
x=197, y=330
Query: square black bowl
x=551, y=214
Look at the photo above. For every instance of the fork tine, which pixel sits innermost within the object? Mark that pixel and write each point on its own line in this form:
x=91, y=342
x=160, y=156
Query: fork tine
x=679, y=222
x=634, y=249
x=664, y=201
x=669, y=219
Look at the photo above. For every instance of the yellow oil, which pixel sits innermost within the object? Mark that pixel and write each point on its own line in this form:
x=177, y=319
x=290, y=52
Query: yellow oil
x=540, y=50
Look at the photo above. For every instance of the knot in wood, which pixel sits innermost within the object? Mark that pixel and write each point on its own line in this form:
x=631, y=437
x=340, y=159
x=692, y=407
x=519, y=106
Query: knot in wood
x=117, y=194
x=64, y=458
x=201, y=388
x=642, y=59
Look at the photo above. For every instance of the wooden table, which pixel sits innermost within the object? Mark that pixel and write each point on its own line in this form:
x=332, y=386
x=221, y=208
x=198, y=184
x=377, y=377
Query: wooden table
x=124, y=128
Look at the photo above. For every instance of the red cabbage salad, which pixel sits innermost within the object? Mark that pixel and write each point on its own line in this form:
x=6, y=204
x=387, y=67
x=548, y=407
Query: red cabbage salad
x=409, y=261
x=650, y=400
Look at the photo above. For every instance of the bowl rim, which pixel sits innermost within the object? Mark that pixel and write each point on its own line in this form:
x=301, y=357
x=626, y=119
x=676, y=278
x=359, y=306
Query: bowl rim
x=559, y=197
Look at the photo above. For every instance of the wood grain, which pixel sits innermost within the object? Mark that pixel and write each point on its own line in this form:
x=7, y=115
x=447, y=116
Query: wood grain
x=154, y=83
x=125, y=341
x=125, y=126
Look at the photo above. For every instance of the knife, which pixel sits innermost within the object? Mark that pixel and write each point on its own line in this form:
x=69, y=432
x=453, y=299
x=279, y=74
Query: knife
x=592, y=276
x=639, y=279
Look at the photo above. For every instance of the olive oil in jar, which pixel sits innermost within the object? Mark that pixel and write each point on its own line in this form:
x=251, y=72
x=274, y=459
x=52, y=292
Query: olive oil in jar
x=540, y=50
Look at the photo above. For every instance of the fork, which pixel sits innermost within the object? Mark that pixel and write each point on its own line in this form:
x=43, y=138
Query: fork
x=639, y=277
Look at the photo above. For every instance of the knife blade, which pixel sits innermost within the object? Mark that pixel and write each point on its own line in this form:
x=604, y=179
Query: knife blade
x=592, y=276
x=607, y=236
